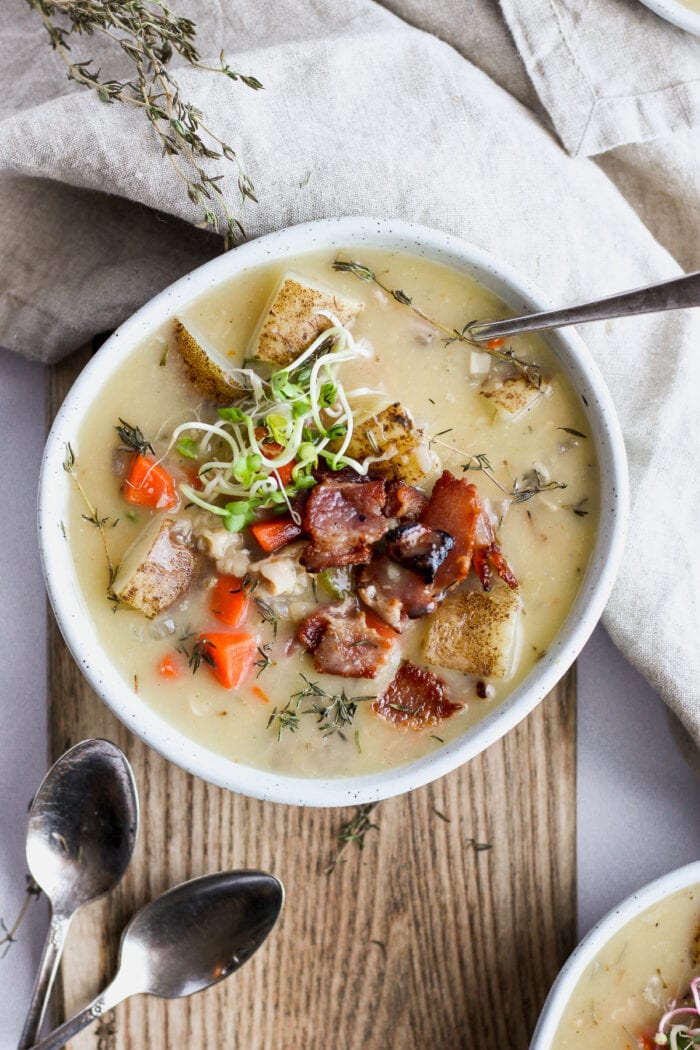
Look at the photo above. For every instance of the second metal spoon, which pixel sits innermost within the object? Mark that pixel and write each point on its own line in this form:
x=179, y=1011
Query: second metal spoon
x=676, y=294
x=81, y=834
x=185, y=941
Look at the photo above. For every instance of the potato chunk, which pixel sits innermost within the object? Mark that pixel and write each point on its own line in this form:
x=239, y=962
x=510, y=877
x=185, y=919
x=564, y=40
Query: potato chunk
x=156, y=570
x=290, y=322
x=394, y=425
x=208, y=369
x=512, y=396
x=474, y=632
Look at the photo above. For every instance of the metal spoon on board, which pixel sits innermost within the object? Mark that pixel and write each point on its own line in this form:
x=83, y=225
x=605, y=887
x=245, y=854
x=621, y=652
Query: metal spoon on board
x=81, y=834
x=676, y=294
x=190, y=938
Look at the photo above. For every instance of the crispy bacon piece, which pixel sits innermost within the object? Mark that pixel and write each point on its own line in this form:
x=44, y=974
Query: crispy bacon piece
x=395, y=593
x=488, y=555
x=415, y=698
x=404, y=501
x=343, y=643
x=454, y=508
x=419, y=548
x=343, y=519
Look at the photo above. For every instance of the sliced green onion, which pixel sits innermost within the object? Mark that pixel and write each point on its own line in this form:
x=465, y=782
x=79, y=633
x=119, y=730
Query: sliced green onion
x=279, y=427
x=232, y=415
x=245, y=469
x=299, y=410
x=187, y=447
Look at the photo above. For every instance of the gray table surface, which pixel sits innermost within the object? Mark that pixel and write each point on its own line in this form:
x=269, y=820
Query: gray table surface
x=637, y=795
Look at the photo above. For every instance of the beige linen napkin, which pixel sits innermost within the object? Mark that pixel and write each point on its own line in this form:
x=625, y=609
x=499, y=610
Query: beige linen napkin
x=608, y=72
x=362, y=114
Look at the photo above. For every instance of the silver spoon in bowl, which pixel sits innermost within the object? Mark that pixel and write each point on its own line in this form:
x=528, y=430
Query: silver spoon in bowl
x=184, y=941
x=81, y=834
x=676, y=294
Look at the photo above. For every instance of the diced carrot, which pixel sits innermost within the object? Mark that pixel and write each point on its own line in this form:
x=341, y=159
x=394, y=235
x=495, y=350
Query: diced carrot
x=273, y=448
x=495, y=344
x=229, y=601
x=645, y=1042
x=378, y=625
x=170, y=666
x=273, y=534
x=285, y=472
x=232, y=655
x=257, y=691
x=149, y=484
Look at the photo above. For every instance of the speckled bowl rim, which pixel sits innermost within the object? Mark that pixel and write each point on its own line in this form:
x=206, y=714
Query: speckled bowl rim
x=596, y=939
x=74, y=618
x=676, y=13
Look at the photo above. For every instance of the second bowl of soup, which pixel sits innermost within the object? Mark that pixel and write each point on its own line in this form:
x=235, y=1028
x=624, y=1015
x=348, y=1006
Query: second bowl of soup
x=634, y=981
x=308, y=540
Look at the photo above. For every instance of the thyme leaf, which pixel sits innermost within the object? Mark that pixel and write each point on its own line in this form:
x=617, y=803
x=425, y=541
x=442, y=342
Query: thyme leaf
x=576, y=433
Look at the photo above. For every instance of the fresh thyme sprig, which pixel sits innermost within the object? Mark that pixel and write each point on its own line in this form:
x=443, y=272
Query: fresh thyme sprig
x=480, y=461
x=353, y=830
x=201, y=652
x=9, y=932
x=531, y=371
x=132, y=439
x=284, y=718
x=93, y=518
x=264, y=662
x=266, y=614
x=531, y=484
x=149, y=34
x=334, y=711
x=524, y=488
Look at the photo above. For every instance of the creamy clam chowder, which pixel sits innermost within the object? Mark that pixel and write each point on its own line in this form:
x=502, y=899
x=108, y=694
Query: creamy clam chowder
x=339, y=534
x=642, y=991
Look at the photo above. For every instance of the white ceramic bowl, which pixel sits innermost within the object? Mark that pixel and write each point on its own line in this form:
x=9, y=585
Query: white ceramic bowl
x=594, y=942
x=677, y=13
x=74, y=617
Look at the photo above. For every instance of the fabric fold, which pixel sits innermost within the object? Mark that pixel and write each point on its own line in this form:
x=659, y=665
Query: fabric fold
x=608, y=72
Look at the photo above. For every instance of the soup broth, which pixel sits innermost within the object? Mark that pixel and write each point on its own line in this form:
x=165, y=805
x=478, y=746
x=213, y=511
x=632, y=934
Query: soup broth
x=535, y=469
x=639, y=974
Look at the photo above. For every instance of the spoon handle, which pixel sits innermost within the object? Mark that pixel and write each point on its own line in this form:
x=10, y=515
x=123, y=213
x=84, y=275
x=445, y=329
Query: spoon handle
x=51, y=955
x=676, y=294
x=104, y=1002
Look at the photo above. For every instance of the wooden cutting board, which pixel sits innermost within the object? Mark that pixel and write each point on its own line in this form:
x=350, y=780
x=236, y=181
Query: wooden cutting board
x=420, y=940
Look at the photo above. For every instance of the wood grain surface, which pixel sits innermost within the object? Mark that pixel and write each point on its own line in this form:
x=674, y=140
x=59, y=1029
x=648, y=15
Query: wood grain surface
x=420, y=941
